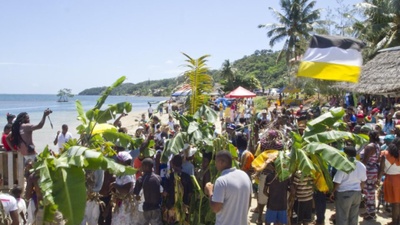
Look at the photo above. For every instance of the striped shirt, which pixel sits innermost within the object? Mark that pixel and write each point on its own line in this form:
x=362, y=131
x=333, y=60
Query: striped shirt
x=304, y=187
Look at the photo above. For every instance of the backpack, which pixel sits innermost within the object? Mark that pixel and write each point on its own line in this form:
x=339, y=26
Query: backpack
x=4, y=218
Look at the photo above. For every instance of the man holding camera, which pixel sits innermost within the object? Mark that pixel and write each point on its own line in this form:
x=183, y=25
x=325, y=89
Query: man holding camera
x=21, y=134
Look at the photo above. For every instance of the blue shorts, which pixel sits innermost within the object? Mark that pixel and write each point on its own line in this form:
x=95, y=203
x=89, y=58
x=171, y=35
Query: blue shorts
x=273, y=216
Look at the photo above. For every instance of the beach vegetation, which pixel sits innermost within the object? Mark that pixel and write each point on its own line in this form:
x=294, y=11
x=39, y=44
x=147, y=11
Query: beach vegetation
x=62, y=177
x=295, y=25
x=64, y=94
x=199, y=80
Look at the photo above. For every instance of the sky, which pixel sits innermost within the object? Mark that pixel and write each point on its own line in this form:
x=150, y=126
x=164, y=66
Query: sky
x=48, y=45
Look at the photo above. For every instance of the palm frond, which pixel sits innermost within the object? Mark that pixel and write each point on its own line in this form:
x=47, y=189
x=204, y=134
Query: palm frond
x=199, y=80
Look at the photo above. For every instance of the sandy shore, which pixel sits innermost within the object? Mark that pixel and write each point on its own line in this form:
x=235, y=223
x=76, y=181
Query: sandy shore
x=131, y=121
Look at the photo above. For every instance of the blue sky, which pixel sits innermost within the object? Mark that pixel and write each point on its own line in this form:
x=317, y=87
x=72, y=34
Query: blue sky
x=49, y=45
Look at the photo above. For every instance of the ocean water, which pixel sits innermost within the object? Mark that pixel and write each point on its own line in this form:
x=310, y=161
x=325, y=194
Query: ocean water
x=63, y=112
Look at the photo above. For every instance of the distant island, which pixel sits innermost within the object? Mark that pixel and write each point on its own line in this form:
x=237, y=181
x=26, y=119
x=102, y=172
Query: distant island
x=162, y=87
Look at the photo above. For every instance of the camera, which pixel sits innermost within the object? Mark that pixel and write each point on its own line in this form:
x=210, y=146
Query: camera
x=49, y=110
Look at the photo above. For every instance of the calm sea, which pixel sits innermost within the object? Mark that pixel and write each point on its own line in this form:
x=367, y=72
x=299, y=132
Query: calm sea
x=63, y=112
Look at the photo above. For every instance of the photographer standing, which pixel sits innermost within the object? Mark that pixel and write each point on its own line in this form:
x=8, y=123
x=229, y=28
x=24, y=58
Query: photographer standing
x=21, y=134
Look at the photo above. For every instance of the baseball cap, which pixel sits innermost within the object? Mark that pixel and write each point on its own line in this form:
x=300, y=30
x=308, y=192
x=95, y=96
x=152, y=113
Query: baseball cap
x=124, y=156
x=375, y=110
x=360, y=115
x=389, y=137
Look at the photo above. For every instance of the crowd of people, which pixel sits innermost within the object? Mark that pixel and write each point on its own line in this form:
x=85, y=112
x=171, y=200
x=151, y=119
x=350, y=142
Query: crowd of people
x=161, y=192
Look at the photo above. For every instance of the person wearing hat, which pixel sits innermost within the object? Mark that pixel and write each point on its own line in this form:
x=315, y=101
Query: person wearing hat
x=122, y=187
x=360, y=119
x=378, y=128
x=264, y=116
x=387, y=140
x=374, y=113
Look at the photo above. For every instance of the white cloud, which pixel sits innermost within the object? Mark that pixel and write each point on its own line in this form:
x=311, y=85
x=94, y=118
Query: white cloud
x=169, y=61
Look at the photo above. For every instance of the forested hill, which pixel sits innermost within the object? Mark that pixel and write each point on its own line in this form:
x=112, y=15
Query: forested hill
x=162, y=87
x=256, y=71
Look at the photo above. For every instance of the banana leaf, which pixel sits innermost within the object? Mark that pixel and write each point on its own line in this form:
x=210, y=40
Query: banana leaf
x=102, y=116
x=69, y=192
x=90, y=159
x=174, y=146
x=282, y=166
x=123, y=140
x=304, y=163
x=107, y=92
x=206, y=113
x=329, y=137
x=323, y=168
x=193, y=126
x=327, y=119
x=331, y=155
x=81, y=112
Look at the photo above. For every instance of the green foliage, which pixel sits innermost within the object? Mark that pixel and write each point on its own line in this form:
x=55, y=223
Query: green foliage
x=162, y=87
x=312, y=152
x=199, y=80
x=256, y=71
x=381, y=27
x=295, y=24
x=64, y=94
x=62, y=178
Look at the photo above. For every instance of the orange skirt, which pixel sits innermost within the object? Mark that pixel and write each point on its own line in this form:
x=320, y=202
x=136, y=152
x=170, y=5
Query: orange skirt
x=391, y=189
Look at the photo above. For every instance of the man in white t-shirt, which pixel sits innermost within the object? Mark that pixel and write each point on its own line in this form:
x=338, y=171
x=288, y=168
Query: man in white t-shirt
x=347, y=190
x=169, y=108
x=62, y=137
x=10, y=205
x=231, y=194
x=150, y=111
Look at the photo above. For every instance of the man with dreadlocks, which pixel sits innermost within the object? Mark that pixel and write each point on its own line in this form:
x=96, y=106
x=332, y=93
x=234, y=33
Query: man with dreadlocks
x=21, y=134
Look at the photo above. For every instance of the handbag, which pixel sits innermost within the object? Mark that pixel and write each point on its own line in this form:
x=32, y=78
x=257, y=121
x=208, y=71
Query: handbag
x=31, y=148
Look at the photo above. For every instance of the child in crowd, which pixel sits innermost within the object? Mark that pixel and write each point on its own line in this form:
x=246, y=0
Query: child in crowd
x=276, y=191
x=16, y=192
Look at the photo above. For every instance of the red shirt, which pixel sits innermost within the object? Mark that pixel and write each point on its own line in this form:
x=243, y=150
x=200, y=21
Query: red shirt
x=4, y=141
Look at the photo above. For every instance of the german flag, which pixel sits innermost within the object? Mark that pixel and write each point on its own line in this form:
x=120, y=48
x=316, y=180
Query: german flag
x=332, y=58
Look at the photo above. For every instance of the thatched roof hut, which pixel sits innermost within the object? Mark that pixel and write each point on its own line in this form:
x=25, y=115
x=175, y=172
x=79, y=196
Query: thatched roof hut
x=379, y=76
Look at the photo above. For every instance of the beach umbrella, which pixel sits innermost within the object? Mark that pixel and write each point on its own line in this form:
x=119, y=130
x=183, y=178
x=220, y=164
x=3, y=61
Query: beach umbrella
x=240, y=92
x=224, y=101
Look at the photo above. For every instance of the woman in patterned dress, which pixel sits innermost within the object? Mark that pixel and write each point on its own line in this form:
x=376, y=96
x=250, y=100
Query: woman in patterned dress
x=370, y=158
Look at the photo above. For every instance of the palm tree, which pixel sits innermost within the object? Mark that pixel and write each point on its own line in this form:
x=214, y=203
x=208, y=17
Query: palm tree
x=296, y=22
x=199, y=80
x=381, y=28
x=228, y=74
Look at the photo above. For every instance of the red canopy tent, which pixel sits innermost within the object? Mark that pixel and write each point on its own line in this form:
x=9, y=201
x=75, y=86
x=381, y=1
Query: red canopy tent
x=240, y=92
